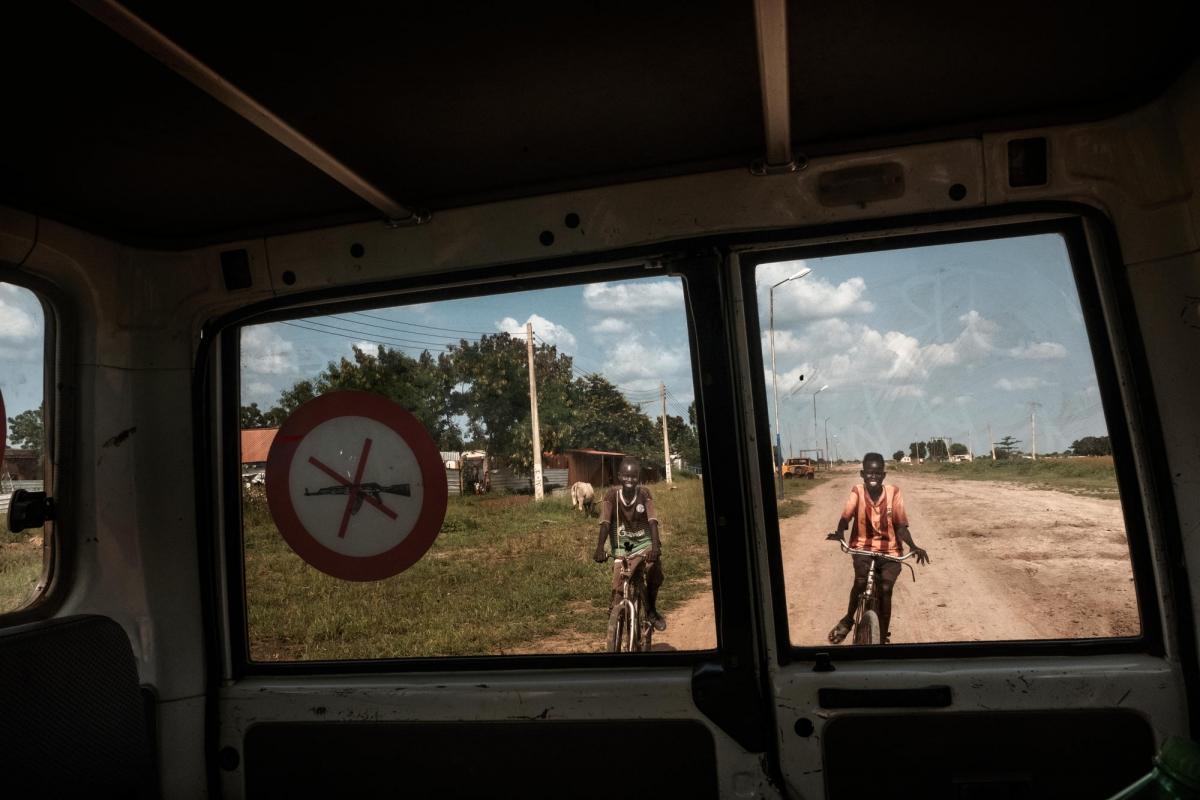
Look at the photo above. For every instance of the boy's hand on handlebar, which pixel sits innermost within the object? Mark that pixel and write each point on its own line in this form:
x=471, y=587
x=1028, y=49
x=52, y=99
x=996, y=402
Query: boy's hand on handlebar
x=922, y=556
x=653, y=554
x=599, y=556
x=834, y=536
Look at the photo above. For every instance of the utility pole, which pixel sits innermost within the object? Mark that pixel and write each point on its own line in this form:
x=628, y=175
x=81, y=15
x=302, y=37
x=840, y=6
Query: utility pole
x=827, y=441
x=991, y=442
x=533, y=413
x=1033, y=407
x=662, y=390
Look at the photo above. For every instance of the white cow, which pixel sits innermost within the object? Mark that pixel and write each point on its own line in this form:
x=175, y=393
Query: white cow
x=583, y=497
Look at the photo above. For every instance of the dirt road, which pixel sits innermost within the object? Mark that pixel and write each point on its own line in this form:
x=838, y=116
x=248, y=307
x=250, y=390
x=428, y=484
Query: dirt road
x=1007, y=562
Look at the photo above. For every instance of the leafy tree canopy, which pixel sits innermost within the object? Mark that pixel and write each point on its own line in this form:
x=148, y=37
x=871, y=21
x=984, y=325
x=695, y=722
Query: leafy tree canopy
x=1092, y=446
x=26, y=430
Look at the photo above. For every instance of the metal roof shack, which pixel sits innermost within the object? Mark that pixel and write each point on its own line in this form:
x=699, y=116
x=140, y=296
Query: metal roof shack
x=597, y=467
x=256, y=443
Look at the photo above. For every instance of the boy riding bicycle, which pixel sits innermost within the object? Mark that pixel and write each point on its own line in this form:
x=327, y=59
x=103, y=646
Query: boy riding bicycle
x=635, y=537
x=878, y=523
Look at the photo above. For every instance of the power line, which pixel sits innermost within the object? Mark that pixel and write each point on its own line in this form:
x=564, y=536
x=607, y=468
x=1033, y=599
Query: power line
x=430, y=327
x=362, y=338
x=438, y=345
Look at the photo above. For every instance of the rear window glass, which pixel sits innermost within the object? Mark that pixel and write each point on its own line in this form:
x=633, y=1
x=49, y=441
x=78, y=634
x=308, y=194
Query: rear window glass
x=506, y=572
x=965, y=373
x=22, y=351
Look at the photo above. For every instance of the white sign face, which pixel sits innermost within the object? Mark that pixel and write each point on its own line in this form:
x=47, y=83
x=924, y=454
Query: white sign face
x=356, y=486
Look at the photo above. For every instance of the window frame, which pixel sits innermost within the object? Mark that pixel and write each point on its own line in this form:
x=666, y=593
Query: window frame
x=58, y=424
x=231, y=598
x=1134, y=506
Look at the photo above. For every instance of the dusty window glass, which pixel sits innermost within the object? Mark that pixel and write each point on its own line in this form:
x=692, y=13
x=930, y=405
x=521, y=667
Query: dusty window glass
x=22, y=351
x=967, y=370
x=507, y=573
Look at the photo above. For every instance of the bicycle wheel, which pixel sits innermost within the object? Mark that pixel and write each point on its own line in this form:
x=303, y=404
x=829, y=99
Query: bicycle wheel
x=867, y=629
x=618, y=629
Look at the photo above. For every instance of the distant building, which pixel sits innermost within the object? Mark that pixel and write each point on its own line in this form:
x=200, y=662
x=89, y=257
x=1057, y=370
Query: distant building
x=256, y=444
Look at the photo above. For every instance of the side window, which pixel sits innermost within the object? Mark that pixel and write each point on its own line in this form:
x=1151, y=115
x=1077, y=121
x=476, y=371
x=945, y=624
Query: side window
x=22, y=352
x=327, y=500
x=941, y=404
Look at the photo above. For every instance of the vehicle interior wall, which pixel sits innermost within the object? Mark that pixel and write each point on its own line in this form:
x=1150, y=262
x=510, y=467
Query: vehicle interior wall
x=136, y=553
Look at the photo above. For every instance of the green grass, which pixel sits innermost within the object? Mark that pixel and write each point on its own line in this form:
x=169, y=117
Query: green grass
x=503, y=573
x=790, y=502
x=20, y=567
x=1093, y=476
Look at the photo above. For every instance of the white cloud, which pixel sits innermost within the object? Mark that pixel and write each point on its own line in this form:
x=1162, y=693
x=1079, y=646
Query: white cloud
x=549, y=332
x=625, y=298
x=612, y=325
x=1018, y=384
x=809, y=297
x=16, y=323
x=857, y=354
x=631, y=361
x=265, y=352
x=1039, y=351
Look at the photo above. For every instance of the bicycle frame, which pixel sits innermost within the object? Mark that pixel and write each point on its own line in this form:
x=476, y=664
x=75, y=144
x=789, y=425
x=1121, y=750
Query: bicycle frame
x=633, y=591
x=866, y=600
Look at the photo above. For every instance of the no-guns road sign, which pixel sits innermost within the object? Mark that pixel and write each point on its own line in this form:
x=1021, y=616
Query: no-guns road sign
x=356, y=485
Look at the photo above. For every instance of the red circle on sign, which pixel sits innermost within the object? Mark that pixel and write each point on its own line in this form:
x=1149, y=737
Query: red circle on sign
x=429, y=460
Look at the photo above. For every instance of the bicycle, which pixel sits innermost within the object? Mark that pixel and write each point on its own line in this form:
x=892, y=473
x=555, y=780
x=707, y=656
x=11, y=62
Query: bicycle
x=867, y=629
x=629, y=630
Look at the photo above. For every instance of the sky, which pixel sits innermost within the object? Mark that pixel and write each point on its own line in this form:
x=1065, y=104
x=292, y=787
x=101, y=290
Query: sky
x=632, y=332
x=937, y=341
x=22, y=349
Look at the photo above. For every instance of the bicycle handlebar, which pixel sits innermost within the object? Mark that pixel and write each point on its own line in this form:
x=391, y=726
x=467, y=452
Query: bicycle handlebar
x=855, y=551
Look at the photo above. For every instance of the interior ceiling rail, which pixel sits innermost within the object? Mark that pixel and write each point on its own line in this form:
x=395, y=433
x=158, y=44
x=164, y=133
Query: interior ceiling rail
x=770, y=18
x=144, y=36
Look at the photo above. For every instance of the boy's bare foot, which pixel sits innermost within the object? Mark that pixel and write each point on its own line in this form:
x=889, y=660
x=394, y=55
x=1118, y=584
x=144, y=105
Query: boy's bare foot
x=840, y=632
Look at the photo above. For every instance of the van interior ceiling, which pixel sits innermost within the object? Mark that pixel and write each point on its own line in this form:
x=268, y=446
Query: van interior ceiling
x=743, y=242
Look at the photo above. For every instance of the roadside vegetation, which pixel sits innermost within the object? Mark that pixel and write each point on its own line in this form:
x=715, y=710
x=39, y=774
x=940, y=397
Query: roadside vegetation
x=504, y=573
x=1091, y=475
x=20, y=566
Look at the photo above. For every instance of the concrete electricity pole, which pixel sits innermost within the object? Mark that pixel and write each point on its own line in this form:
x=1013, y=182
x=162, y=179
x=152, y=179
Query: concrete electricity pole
x=662, y=390
x=1033, y=407
x=533, y=413
x=991, y=442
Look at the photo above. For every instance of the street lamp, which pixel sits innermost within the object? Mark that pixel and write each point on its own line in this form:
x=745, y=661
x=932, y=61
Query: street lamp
x=827, y=442
x=836, y=457
x=816, y=441
x=774, y=379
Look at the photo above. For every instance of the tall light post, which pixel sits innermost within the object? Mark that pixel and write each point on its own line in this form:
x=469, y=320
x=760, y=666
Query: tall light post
x=816, y=441
x=774, y=378
x=836, y=457
x=827, y=442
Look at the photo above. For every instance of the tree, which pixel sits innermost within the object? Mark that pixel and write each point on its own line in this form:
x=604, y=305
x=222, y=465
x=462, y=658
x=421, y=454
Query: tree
x=1092, y=446
x=937, y=450
x=917, y=450
x=605, y=420
x=682, y=438
x=26, y=430
x=253, y=417
x=491, y=389
x=958, y=449
x=1006, y=447
x=420, y=385
x=896, y=456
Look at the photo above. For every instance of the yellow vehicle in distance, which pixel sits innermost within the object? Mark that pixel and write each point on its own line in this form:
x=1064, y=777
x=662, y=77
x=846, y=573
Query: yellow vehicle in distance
x=799, y=468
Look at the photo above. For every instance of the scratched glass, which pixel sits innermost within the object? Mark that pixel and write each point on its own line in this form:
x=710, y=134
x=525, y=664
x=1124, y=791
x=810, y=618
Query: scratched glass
x=23, y=354
x=967, y=367
x=507, y=573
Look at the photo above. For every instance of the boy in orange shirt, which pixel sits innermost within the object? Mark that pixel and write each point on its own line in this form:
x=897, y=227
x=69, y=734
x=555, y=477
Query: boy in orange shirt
x=878, y=523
